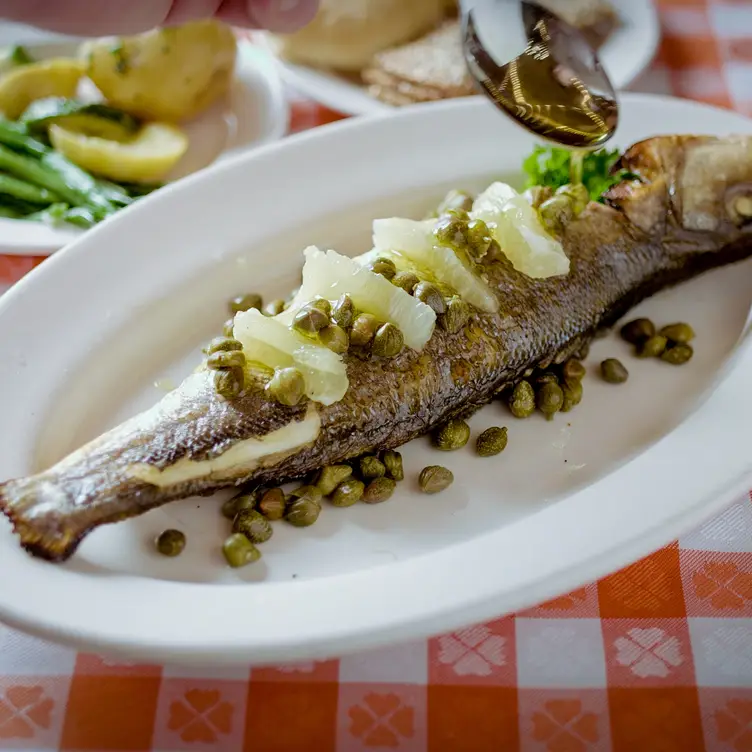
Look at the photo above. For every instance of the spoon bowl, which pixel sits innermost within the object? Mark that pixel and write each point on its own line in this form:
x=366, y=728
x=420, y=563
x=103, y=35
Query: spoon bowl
x=540, y=71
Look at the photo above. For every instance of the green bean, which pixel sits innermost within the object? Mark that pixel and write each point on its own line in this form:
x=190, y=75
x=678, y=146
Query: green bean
x=11, y=186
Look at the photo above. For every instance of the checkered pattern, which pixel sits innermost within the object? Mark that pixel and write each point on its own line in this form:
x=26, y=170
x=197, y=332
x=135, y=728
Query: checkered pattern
x=655, y=657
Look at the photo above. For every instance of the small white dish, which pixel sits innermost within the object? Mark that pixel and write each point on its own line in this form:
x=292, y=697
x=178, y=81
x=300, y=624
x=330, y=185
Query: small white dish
x=255, y=112
x=625, y=55
x=569, y=501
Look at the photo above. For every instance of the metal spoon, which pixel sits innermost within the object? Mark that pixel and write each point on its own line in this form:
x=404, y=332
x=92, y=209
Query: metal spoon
x=540, y=71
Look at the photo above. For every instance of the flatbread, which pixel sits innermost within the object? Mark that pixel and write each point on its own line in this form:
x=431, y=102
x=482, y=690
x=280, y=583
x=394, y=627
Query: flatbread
x=432, y=67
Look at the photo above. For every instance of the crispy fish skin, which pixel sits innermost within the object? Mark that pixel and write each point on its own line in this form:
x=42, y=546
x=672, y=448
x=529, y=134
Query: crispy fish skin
x=678, y=220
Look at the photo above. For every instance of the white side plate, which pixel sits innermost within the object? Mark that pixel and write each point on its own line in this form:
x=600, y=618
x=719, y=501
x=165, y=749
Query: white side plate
x=131, y=303
x=255, y=112
x=624, y=56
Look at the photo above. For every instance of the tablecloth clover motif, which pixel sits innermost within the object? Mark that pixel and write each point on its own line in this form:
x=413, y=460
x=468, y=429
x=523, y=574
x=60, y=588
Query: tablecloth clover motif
x=655, y=657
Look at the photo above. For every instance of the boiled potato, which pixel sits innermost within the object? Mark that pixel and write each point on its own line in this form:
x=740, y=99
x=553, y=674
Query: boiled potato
x=172, y=73
x=19, y=87
x=147, y=157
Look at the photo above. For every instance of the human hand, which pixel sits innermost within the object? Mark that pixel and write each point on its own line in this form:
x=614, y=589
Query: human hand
x=121, y=17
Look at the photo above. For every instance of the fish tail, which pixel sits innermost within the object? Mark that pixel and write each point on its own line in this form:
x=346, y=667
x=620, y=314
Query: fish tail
x=33, y=506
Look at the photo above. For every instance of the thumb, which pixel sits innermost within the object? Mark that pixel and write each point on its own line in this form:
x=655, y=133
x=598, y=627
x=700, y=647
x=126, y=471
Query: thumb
x=281, y=15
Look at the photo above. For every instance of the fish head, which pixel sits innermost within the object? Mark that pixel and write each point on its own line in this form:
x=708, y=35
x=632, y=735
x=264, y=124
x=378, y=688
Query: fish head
x=684, y=185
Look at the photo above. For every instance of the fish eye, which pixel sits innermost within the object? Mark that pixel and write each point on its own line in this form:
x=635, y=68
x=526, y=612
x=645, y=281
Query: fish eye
x=739, y=204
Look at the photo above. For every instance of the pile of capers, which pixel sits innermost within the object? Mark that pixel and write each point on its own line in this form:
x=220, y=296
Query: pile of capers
x=552, y=391
x=340, y=327
x=557, y=209
x=371, y=479
x=224, y=356
x=252, y=512
x=670, y=344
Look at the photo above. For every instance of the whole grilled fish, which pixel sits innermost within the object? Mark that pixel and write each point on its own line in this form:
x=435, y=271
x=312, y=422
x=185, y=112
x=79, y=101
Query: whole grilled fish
x=690, y=210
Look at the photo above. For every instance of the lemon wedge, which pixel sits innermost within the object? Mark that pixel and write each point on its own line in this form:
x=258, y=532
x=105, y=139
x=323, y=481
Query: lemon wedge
x=517, y=228
x=19, y=87
x=269, y=341
x=147, y=157
x=330, y=274
x=415, y=240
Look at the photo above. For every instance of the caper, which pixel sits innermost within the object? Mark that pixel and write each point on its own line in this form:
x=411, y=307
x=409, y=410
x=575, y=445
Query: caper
x=583, y=351
x=537, y=194
x=343, y=311
x=613, y=371
x=226, y=359
x=652, y=347
x=371, y=467
x=393, y=463
x=363, y=330
x=637, y=331
x=460, y=214
x=450, y=231
x=491, y=442
x=228, y=328
x=522, y=401
x=427, y=293
x=335, y=338
x=272, y=504
x=573, y=370
x=384, y=266
x=240, y=502
x=287, y=386
x=435, y=478
x=253, y=525
x=321, y=304
x=170, y=543
x=348, y=493
x=478, y=237
x=331, y=476
x=307, y=491
x=229, y=382
x=239, y=551
x=547, y=377
x=406, y=281
x=452, y=435
x=494, y=252
x=378, y=490
x=222, y=344
x=578, y=194
x=549, y=399
x=303, y=512
x=679, y=334
x=245, y=302
x=572, y=390
x=388, y=341
x=455, y=200
x=310, y=319
x=556, y=212
x=275, y=307
x=678, y=355
x=455, y=317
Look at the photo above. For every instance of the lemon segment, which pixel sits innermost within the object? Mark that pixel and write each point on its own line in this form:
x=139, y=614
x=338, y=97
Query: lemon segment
x=415, y=240
x=271, y=342
x=517, y=228
x=330, y=274
x=147, y=157
x=57, y=77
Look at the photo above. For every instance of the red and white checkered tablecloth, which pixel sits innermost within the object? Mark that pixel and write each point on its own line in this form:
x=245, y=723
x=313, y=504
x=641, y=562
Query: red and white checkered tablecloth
x=655, y=658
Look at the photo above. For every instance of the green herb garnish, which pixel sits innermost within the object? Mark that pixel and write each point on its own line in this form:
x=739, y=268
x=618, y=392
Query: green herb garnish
x=550, y=166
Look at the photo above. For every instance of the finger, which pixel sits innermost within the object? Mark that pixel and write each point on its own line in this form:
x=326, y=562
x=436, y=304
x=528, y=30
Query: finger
x=82, y=17
x=281, y=15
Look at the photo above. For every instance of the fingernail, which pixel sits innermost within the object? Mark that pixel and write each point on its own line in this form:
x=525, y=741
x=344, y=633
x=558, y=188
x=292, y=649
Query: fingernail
x=283, y=15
